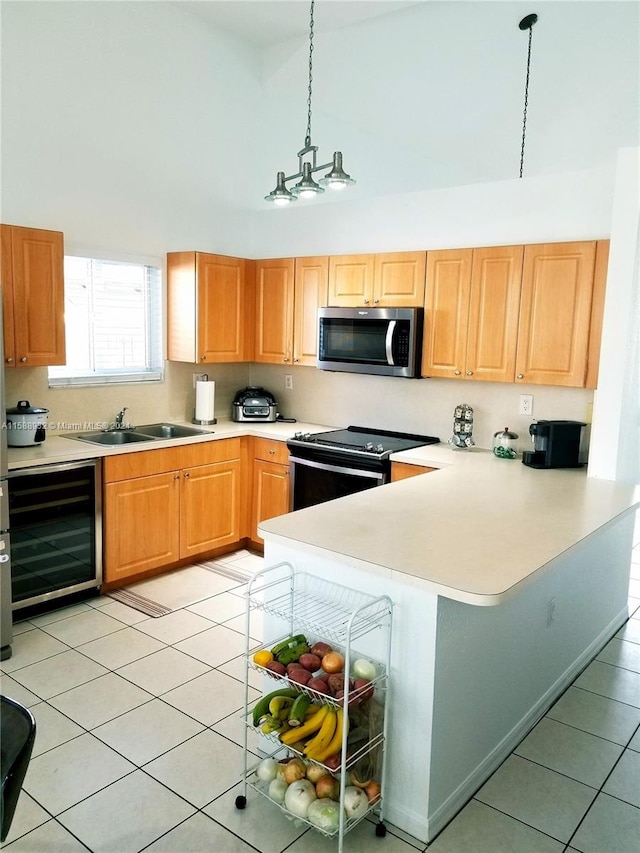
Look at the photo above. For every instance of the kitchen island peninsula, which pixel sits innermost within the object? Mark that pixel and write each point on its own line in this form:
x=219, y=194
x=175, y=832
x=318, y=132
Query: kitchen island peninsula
x=506, y=582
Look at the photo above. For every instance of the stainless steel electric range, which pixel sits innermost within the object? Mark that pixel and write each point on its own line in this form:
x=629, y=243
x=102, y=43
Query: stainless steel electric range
x=339, y=462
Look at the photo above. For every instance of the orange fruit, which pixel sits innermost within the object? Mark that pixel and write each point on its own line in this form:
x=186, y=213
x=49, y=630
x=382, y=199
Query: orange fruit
x=263, y=657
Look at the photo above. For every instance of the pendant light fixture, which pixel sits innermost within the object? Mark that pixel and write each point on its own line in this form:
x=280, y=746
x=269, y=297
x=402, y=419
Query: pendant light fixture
x=526, y=24
x=335, y=179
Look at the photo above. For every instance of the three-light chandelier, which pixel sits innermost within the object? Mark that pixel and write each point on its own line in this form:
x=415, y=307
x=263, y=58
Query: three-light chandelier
x=335, y=179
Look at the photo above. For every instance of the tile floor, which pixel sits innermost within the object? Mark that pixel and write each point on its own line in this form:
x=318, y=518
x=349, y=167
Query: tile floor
x=139, y=733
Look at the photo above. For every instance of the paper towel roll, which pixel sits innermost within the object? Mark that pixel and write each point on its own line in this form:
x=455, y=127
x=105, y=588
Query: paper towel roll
x=205, y=402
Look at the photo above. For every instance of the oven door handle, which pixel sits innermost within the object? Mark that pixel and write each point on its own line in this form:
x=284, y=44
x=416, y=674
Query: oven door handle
x=388, y=344
x=338, y=469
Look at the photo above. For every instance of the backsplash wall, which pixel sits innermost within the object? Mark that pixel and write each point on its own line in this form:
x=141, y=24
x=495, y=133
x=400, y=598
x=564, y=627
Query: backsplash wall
x=335, y=399
x=416, y=405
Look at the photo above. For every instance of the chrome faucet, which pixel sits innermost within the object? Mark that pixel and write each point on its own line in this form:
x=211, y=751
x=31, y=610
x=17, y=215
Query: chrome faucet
x=119, y=422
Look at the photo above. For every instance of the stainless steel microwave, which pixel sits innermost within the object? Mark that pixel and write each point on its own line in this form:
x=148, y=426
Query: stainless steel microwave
x=386, y=341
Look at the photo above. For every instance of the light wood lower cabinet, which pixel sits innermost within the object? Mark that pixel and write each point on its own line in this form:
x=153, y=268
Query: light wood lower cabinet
x=404, y=470
x=163, y=506
x=270, y=485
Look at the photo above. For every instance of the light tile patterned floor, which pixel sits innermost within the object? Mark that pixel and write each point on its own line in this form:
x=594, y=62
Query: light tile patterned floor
x=139, y=737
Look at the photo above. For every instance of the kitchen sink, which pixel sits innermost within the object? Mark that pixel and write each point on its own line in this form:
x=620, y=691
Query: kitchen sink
x=148, y=432
x=169, y=431
x=112, y=438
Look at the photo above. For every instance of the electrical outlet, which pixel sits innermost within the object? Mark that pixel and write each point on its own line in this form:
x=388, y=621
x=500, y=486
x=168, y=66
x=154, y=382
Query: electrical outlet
x=551, y=611
x=526, y=405
x=288, y=382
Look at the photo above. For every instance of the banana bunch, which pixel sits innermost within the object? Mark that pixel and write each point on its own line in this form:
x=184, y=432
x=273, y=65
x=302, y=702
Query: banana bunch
x=321, y=733
x=282, y=711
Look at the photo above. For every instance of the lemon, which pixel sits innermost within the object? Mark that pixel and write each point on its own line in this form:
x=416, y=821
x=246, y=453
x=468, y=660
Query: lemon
x=262, y=657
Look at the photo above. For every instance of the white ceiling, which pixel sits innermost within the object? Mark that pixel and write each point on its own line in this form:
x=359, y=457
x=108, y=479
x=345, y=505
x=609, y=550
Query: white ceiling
x=265, y=22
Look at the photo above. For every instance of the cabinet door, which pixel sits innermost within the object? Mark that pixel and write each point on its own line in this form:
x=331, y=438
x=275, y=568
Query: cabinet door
x=274, y=311
x=209, y=308
x=555, y=313
x=6, y=268
x=399, y=279
x=271, y=493
x=209, y=507
x=37, y=261
x=597, y=312
x=351, y=280
x=141, y=528
x=404, y=470
x=311, y=282
x=224, y=308
x=493, y=313
x=446, y=312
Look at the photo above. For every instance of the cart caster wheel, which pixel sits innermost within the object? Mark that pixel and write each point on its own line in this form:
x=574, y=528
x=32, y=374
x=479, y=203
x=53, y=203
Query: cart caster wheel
x=381, y=830
x=241, y=802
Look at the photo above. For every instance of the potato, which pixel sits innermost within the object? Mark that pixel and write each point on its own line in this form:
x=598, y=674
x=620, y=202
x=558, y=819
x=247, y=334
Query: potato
x=291, y=667
x=363, y=687
x=319, y=685
x=320, y=649
x=276, y=667
x=310, y=661
x=300, y=676
x=335, y=682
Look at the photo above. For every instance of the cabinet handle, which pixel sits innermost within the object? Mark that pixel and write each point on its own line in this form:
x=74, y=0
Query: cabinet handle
x=272, y=452
x=469, y=372
x=456, y=372
x=23, y=359
x=286, y=358
x=366, y=301
x=176, y=476
x=202, y=357
x=375, y=301
x=186, y=473
x=10, y=359
x=295, y=360
x=520, y=376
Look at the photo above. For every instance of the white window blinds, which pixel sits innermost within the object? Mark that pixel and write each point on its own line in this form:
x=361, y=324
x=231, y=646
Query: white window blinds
x=113, y=320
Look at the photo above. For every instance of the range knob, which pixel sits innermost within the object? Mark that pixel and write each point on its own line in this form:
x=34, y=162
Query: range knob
x=369, y=447
x=379, y=449
x=299, y=435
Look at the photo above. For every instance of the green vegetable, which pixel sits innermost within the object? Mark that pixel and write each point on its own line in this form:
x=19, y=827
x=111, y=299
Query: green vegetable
x=261, y=708
x=292, y=653
x=298, y=710
x=290, y=642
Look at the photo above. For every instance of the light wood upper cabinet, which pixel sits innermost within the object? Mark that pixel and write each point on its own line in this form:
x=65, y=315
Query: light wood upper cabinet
x=471, y=313
x=289, y=292
x=393, y=279
x=32, y=268
x=493, y=313
x=310, y=293
x=209, y=308
x=555, y=314
x=446, y=314
x=274, y=311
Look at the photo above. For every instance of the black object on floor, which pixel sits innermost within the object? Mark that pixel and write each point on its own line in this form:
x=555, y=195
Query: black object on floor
x=17, y=734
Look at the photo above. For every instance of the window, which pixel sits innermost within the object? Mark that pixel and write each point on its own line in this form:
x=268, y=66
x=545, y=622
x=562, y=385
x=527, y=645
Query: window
x=113, y=321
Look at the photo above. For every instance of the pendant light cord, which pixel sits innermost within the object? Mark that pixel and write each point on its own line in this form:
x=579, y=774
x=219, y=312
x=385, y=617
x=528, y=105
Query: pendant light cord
x=307, y=140
x=526, y=23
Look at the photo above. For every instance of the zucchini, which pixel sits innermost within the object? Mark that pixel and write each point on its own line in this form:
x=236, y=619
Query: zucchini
x=261, y=708
x=299, y=710
x=290, y=642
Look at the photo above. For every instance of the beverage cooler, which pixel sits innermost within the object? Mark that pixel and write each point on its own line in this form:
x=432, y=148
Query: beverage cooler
x=56, y=543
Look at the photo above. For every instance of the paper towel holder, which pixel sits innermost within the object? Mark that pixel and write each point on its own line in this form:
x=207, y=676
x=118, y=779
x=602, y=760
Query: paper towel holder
x=203, y=421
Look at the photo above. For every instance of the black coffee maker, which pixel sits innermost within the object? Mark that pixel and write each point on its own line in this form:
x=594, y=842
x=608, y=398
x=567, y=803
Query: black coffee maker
x=556, y=444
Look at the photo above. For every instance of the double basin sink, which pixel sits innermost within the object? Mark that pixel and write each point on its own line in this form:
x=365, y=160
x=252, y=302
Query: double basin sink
x=148, y=432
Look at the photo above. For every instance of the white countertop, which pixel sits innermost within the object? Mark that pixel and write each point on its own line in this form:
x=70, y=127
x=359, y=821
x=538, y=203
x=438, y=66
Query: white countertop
x=472, y=531
x=56, y=448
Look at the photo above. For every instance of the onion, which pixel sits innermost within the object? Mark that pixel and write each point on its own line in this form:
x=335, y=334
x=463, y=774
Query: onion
x=363, y=668
x=325, y=814
x=294, y=770
x=299, y=797
x=267, y=769
x=356, y=803
x=277, y=790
